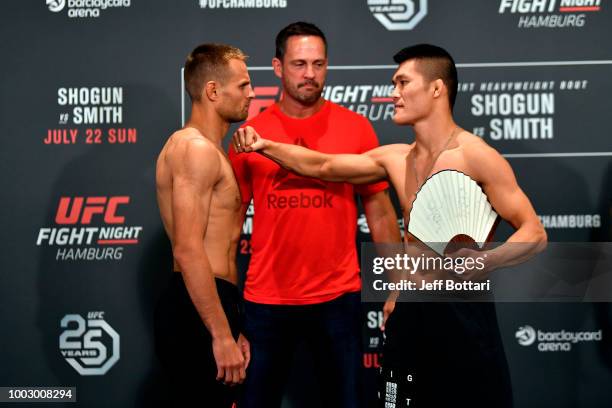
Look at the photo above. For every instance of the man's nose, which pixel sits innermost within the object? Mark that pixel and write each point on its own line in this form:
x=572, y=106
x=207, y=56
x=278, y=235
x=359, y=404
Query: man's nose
x=309, y=73
x=395, y=93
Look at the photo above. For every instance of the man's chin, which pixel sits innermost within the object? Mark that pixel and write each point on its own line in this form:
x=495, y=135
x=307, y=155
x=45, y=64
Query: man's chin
x=238, y=118
x=310, y=99
x=401, y=121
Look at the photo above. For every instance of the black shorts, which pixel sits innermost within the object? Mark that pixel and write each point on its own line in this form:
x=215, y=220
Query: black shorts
x=444, y=355
x=184, y=345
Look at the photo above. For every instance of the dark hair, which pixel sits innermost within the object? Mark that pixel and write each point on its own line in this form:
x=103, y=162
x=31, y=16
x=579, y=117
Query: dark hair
x=434, y=63
x=297, y=28
x=208, y=62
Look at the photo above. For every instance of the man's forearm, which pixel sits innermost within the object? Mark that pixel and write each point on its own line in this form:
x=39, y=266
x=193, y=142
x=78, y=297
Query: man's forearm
x=384, y=229
x=526, y=242
x=298, y=159
x=381, y=218
x=200, y=283
x=350, y=168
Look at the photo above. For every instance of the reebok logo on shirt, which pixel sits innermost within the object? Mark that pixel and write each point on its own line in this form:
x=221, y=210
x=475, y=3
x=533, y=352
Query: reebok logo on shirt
x=301, y=200
x=285, y=180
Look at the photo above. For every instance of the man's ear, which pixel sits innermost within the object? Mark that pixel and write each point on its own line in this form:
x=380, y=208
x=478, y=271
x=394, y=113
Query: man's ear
x=278, y=67
x=211, y=90
x=439, y=88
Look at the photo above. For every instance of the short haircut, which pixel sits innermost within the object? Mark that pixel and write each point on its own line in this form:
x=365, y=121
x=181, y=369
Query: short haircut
x=208, y=62
x=434, y=63
x=297, y=28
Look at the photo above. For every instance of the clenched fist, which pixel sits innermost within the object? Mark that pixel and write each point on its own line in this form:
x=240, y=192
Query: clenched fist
x=247, y=140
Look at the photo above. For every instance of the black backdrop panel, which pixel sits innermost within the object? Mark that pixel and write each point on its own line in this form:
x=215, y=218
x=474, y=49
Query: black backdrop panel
x=90, y=93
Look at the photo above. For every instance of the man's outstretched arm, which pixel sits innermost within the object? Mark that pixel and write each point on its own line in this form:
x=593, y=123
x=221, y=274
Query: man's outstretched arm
x=352, y=168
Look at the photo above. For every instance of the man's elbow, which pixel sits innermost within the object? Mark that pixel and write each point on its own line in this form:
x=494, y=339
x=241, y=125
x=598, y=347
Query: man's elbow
x=540, y=237
x=325, y=172
x=331, y=170
x=184, y=254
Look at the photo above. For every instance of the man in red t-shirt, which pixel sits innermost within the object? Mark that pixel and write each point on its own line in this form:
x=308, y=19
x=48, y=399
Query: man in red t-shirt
x=303, y=280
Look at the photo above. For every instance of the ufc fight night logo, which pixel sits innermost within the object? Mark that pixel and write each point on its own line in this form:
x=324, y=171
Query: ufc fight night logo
x=83, y=209
x=90, y=228
x=90, y=346
x=398, y=14
x=550, y=13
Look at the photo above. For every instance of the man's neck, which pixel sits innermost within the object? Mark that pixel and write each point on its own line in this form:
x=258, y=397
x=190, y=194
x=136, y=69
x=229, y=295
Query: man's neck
x=296, y=109
x=208, y=123
x=432, y=134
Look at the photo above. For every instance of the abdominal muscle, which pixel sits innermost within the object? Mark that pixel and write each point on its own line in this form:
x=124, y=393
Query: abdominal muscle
x=219, y=241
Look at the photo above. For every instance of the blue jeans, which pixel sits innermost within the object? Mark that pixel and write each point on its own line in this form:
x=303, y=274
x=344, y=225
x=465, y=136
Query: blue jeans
x=333, y=332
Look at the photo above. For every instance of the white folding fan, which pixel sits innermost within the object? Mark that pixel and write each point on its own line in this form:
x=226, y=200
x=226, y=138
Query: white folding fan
x=451, y=204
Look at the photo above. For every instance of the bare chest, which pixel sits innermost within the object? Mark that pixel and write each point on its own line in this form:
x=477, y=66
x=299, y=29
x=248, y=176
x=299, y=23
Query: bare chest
x=225, y=200
x=407, y=178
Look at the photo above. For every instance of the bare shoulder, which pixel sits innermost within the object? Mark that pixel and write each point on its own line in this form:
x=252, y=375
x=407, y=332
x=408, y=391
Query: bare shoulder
x=187, y=150
x=482, y=159
x=467, y=140
x=474, y=147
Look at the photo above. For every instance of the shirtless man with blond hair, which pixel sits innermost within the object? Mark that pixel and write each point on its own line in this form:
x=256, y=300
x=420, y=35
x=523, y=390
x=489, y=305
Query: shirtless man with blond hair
x=197, y=319
x=454, y=350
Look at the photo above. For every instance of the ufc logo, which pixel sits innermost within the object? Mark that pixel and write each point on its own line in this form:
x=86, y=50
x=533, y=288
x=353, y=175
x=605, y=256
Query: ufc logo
x=257, y=105
x=71, y=210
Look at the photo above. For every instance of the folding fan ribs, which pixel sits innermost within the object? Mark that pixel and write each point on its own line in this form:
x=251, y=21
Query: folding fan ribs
x=451, y=207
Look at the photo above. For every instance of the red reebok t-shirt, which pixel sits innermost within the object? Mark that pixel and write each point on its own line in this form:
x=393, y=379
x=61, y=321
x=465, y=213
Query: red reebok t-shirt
x=303, y=242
